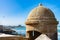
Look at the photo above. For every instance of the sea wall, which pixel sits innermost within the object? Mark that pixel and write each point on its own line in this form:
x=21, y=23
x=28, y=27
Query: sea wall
x=13, y=38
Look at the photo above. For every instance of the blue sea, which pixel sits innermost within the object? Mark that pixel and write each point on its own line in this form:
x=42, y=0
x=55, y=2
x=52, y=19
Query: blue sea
x=58, y=32
x=22, y=30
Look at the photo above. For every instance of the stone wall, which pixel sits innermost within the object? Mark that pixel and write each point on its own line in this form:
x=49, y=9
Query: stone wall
x=13, y=38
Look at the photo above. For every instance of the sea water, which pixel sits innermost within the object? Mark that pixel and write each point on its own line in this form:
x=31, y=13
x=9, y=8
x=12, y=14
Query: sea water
x=20, y=30
x=58, y=32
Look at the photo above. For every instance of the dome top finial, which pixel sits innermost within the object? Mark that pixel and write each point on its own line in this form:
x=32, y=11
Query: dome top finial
x=40, y=4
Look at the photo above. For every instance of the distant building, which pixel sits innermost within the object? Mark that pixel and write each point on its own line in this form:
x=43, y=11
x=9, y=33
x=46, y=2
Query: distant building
x=41, y=20
x=1, y=28
x=7, y=30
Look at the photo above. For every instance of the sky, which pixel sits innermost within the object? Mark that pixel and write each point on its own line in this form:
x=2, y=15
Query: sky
x=15, y=12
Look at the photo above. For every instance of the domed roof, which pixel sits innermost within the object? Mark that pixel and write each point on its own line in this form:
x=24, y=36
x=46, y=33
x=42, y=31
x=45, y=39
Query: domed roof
x=40, y=13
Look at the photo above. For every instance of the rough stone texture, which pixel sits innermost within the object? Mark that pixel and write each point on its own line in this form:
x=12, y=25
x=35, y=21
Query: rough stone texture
x=54, y=37
x=13, y=38
x=42, y=20
x=9, y=38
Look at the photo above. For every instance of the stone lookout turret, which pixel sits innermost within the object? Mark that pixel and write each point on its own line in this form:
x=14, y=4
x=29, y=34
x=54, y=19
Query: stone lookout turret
x=41, y=20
